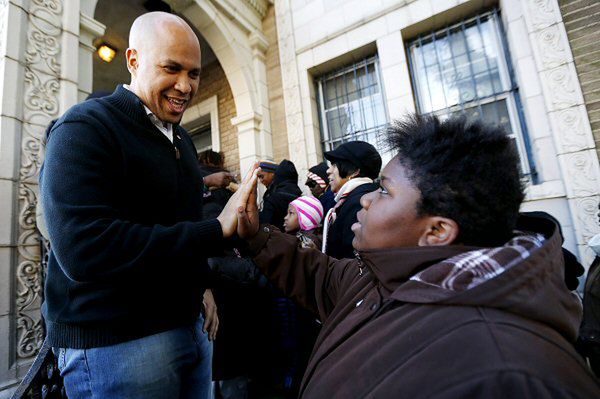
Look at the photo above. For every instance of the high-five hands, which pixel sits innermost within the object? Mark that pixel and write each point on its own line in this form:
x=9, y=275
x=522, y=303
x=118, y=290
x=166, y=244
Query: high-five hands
x=241, y=211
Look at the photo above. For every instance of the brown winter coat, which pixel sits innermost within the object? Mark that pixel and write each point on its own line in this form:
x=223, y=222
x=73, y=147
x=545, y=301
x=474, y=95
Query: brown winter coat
x=385, y=337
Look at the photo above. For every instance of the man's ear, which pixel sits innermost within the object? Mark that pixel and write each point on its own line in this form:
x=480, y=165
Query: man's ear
x=439, y=231
x=132, y=60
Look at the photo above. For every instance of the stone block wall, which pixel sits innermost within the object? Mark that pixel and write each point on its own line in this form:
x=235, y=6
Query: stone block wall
x=582, y=22
x=275, y=89
x=214, y=82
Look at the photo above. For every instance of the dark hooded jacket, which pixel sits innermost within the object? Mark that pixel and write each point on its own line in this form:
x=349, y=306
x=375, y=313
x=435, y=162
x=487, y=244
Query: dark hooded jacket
x=386, y=336
x=340, y=235
x=283, y=190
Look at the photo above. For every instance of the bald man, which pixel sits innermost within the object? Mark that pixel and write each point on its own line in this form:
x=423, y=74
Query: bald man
x=122, y=195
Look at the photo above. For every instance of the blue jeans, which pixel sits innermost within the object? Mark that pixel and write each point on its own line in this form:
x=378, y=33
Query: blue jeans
x=171, y=364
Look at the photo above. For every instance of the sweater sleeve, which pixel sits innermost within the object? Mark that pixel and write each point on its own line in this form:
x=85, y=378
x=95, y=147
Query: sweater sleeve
x=89, y=238
x=308, y=276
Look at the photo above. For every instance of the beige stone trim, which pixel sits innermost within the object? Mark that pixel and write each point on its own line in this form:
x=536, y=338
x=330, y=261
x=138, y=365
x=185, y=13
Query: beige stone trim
x=570, y=124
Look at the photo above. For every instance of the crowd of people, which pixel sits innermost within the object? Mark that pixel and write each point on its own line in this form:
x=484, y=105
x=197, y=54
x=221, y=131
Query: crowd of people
x=168, y=277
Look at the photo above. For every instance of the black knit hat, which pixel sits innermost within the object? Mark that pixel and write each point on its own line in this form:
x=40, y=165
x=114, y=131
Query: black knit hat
x=320, y=171
x=361, y=154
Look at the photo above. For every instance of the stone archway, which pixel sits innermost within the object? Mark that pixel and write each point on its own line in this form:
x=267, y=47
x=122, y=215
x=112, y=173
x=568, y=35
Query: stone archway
x=240, y=48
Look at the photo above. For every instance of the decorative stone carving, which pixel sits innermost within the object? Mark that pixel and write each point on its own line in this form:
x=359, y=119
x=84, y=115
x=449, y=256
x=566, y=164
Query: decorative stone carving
x=585, y=212
x=43, y=46
x=552, y=47
x=260, y=6
x=31, y=151
x=562, y=87
x=541, y=13
x=30, y=334
x=41, y=97
x=31, y=338
x=572, y=129
x=582, y=173
x=47, y=10
x=41, y=105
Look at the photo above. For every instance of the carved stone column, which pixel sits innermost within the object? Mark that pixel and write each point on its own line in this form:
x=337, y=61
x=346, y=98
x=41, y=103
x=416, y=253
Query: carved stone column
x=570, y=124
x=302, y=155
x=35, y=37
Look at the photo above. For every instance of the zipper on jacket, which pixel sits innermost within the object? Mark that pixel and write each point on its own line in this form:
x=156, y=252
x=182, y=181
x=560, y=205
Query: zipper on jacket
x=361, y=265
x=177, y=153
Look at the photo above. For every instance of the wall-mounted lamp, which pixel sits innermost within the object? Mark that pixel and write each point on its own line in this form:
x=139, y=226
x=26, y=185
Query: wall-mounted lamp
x=106, y=53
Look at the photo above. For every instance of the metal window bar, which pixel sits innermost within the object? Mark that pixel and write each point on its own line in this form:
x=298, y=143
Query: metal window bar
x=468, y=53
x=439, y=67
x=337, y=103
x=452, y=57
x=364, y=91
x=501, y=37
x=426, y=72
x=369, y=79
x=509, y=94
x=487, y=62
x=383, y=125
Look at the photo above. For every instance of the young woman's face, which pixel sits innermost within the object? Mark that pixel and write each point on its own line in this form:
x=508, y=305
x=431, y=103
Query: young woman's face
x=389, y=218
x=290, y=222
x=335, y=180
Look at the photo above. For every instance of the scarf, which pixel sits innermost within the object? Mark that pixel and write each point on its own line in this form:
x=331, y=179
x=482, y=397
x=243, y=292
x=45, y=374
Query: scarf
x=340, y=198
x=470, y=269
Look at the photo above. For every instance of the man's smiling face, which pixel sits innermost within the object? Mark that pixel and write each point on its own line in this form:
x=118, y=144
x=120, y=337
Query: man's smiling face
x=166, y=72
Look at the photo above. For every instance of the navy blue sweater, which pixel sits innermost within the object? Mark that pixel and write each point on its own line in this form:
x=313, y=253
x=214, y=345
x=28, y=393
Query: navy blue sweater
x=123, y=206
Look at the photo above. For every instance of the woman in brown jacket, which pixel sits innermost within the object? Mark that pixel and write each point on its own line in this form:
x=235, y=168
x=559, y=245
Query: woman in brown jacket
x=449, y=295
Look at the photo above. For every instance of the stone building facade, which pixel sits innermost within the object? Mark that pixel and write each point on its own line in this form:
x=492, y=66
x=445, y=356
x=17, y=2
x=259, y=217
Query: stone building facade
x=278, y=87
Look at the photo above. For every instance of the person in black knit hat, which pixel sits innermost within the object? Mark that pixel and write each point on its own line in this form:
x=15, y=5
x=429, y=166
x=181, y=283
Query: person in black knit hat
x=318, y=183
x=354, y=166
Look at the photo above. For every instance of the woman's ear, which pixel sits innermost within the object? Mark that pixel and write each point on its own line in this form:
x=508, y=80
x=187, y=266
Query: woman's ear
x=354, y=174
x=439, y=231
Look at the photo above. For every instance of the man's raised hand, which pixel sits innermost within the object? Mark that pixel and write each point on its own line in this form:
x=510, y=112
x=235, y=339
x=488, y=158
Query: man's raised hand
x=239, y=200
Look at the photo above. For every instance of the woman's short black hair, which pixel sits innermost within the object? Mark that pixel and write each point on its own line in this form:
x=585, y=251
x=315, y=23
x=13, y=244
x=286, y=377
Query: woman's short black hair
x=346, y=168
x=465, y=171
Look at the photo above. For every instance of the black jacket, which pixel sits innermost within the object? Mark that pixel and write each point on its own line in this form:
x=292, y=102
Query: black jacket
x=215, y=199
x=339, y=237
x=283, y=190
x=123, y=207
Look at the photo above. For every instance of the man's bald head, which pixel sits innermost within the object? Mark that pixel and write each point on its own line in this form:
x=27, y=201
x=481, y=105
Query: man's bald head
x=164, y=61
x=153, y=26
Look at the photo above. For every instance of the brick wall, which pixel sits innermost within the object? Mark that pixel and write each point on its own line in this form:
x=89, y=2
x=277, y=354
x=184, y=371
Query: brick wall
x=275, y=89
x=213, y=81
x=582, y=22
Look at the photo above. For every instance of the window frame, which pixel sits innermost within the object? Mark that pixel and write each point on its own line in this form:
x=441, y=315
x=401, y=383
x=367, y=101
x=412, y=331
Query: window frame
x=328, y=142
x=509, y=90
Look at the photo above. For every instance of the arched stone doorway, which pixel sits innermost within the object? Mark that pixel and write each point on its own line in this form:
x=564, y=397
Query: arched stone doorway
x=238, y=47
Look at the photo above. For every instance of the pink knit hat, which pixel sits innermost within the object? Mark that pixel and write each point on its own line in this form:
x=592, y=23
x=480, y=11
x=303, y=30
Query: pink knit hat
x=310, y=212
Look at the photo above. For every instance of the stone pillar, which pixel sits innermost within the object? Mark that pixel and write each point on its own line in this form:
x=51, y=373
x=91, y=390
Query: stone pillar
x=38, y=81
x=570, y=124
x=249, y=139
x=301, y=154
x=89, y=29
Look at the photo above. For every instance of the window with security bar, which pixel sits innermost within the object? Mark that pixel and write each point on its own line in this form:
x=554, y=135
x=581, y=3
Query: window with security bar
x=465, y=69
x=352, y=105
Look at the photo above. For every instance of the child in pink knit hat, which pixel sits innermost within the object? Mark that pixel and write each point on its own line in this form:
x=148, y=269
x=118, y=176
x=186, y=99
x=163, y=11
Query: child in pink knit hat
x=304, y=219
